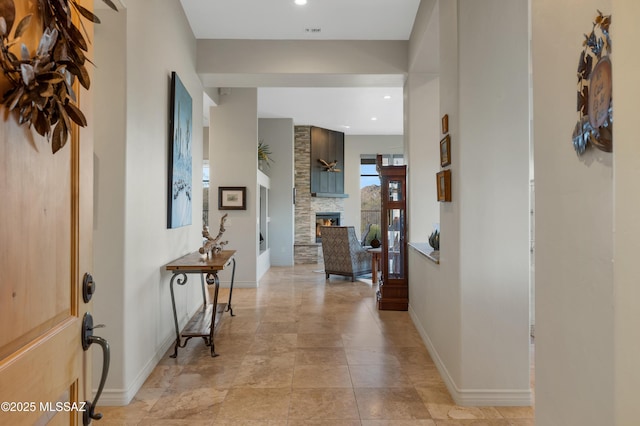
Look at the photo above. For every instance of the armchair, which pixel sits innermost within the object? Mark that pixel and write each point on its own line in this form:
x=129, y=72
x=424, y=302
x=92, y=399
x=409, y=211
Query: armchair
x=365, y=234
x=342, y=252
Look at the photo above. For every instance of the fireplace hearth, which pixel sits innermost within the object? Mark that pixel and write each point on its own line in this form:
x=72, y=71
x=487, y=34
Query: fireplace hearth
x=326, y=219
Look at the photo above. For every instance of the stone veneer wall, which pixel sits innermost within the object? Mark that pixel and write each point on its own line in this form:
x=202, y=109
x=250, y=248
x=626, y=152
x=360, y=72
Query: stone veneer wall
x=306, y=250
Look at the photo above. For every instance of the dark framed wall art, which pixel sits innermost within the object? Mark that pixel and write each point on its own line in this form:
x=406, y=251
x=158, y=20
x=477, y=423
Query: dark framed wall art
x=443, y=180
x=232, y=198
x=445, y=151
x=179, y=207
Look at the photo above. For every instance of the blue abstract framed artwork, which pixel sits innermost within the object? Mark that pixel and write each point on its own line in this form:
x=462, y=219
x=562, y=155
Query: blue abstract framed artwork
x=180, y=159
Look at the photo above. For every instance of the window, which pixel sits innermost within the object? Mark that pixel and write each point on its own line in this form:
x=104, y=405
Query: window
x=370, y=202
x=205, y=192
x=369, y=199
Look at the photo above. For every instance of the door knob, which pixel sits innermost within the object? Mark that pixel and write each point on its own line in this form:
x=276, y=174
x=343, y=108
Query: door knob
x=88, y=287
x=87, y=340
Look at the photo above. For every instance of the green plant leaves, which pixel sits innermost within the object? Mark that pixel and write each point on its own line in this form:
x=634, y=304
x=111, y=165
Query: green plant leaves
x=264, y=153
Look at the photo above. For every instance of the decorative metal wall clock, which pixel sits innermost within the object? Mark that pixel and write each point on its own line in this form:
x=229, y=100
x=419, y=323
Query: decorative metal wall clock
x=595, y=108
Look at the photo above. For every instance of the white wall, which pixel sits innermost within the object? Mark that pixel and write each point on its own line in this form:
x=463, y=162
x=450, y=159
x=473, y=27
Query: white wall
x=109, y=85
x=434, y=290
x=423, y=154
x=300, y=63
x=493, y=186
x=278, y=134
x=233, y=157
x=424, y=43
x=148, y=40
x=574, y=223
x=625, y=33
x=205, y=143
x=354, y=147
x=422, y=121
x=480, y=339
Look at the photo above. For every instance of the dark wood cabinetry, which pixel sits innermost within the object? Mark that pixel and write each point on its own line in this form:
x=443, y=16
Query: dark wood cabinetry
x=327, y=145
x=394, y=288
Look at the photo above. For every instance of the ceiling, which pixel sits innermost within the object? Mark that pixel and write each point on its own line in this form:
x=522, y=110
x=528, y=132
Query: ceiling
x=351, y=110
x=333, y=108
x=317, y=20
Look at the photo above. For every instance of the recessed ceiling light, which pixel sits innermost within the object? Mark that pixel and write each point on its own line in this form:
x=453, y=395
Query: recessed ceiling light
x=300, y=2
x=345, y=126
x=374, y=118
x=387, y=96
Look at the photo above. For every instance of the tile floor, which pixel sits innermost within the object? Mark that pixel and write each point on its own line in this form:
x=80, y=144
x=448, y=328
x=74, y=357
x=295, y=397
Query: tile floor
x=302, y=351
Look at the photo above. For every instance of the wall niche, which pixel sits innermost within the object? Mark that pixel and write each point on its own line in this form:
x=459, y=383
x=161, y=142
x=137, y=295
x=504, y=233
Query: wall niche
x=327, y=163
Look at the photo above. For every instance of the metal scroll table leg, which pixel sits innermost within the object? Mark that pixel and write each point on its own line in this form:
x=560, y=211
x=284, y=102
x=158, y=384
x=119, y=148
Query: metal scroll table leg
x=204, y=305
x=233, y=276
x=180, y=279
x=212, y=278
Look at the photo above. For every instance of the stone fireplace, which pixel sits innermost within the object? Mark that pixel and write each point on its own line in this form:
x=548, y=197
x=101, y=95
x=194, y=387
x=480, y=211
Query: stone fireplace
x=306, y=248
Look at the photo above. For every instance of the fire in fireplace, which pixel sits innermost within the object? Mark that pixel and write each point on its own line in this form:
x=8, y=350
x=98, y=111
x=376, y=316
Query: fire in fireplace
x=326, y=219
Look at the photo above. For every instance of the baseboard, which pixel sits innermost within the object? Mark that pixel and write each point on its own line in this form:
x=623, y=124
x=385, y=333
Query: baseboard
x=120, y=397
x=471, y=397
x=493, y=398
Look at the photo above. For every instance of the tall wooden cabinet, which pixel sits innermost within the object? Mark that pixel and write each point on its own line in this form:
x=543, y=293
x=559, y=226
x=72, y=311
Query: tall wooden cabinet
x=394, y=283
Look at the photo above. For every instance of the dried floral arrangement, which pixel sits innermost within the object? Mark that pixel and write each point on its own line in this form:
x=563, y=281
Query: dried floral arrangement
x=42, y=84
x=595, y=108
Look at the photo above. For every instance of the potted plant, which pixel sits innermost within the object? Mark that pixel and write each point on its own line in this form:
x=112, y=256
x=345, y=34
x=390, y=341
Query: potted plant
x=264, y=153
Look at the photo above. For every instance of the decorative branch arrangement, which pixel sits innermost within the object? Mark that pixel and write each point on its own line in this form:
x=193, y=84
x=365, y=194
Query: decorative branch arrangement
x=42, y=85
x=212, y=245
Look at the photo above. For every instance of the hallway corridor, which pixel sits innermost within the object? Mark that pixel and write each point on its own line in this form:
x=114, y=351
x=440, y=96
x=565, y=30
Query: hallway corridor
x=305, y=351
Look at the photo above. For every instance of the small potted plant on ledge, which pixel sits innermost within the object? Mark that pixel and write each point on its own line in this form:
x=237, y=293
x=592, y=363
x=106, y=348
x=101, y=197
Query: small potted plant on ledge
x=434, y=240
x=264, y=155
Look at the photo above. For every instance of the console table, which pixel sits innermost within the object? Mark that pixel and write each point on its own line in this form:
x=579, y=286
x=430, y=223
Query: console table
x=205, y=321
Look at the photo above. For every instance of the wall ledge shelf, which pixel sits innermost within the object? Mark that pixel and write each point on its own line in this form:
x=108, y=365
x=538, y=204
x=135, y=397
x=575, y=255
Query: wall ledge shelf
x=328, y=195
x=427, y=251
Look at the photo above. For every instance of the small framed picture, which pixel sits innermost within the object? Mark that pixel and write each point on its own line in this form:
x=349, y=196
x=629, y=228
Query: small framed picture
x=445, y=124
x=443, y=180
x=445, y=151
x=232, y=198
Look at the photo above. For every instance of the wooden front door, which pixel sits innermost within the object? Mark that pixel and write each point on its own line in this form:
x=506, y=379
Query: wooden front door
x=45, y=250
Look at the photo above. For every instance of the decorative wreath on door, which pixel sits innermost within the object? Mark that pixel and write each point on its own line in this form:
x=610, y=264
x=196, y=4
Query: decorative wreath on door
x=595, y=108
x=41, y=84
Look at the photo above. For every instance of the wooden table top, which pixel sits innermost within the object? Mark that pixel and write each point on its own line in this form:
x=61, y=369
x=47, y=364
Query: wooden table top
x=196, y=262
